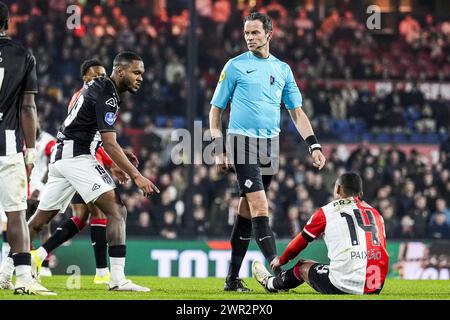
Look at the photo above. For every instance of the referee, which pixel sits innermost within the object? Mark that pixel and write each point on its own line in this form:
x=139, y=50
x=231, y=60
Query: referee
x=256, y=83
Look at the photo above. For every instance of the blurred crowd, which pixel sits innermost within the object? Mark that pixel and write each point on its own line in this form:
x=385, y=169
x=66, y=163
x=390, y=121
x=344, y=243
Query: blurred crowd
x=412, y=196
x=410, y=191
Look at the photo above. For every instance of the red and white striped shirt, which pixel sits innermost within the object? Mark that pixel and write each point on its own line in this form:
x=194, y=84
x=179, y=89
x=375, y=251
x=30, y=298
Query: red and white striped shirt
x=356, y=241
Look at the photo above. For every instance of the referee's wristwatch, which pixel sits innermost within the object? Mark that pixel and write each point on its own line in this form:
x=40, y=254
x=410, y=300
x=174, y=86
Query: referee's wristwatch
x=313, y=144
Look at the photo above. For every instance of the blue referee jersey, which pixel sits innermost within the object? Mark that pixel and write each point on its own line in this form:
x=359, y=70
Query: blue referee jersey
x=256, y=87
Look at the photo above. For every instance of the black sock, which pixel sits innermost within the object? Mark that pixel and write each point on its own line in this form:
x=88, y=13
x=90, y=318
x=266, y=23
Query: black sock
x=63, y=233
x=98, y=238
x=265, y=239
x=5, y=239
x=22, y=259
x=45, y=263
x=286, y=280
x=119, y=251
x=240, y=239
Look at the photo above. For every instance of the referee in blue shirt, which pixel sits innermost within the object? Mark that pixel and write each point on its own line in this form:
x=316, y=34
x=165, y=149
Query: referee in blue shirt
x=256, y=83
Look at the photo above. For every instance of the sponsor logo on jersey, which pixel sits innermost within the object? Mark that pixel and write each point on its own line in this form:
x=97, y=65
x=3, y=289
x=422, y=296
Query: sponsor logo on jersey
x=95, y=187
x=112, y=102
x=366, y=255
x=110, y=118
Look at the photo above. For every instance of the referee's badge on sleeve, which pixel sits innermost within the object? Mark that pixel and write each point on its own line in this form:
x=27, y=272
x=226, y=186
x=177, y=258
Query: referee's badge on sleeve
x=222, y=76
x=110, y=118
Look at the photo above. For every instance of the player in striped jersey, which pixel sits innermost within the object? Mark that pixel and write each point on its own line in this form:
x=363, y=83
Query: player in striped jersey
x=90, y=69
x=356, y=241
x=73, y=167
x=18, y=86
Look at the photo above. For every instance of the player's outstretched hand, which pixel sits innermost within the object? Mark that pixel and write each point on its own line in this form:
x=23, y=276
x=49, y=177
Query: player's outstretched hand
x=223, y=164
x=119, y=174
x=147, y=187
x=132, y=157
x=275, y=263
x=318, y=159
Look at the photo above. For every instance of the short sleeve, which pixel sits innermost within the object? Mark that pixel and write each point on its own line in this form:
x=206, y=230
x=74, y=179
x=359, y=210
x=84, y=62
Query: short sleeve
x=315, y=226
x=106, y=107
x=30, y=79
x=291, y=96
x=49, y=148
x=225, y=86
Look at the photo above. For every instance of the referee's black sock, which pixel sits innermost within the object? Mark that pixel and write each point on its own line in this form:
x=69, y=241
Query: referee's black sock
x=63, y=233
x=240, y=239
x=265, y=239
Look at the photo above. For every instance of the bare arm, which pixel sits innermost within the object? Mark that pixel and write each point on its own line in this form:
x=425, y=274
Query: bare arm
x=116, y=153
x=28, y=119
x=305, y=129
x=301, y=122
x=215, y=121
x=215, y=125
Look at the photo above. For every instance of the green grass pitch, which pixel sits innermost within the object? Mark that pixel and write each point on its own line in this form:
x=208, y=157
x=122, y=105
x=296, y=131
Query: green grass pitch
x=211, y=288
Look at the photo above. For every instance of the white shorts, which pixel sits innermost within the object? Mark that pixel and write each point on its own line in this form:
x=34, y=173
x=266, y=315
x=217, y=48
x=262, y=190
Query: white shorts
x=82, y=174
x=13, y=183
x=3, y=218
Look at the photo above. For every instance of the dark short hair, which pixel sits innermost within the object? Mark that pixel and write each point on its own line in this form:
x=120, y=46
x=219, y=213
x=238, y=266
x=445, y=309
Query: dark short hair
x=125, y=58
x=4, y=15
x=351, y=182
x=87, y=64
x=264, y=18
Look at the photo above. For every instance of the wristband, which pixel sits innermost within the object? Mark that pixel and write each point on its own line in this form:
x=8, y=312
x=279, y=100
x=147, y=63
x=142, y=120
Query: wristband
x=30, y=156
x=313, y=144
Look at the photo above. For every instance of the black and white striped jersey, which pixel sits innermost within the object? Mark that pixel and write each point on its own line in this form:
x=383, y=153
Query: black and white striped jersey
x=94, y=109
x=17, y=76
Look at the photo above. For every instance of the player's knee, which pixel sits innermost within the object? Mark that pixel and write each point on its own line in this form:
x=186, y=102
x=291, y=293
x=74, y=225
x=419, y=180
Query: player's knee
x=301, y=269
x=82, y=214
x=259, y=207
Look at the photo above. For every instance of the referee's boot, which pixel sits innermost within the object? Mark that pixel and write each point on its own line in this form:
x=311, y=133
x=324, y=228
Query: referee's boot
x=237, y=285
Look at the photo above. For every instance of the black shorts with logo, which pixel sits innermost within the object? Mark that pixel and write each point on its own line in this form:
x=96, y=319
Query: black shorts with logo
x=255, y=161
x=318, y=278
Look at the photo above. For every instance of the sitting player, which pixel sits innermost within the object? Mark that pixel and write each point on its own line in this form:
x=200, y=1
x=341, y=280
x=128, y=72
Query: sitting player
x=355, y=238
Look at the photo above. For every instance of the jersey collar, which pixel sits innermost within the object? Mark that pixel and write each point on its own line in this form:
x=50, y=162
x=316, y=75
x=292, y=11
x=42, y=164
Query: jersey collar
x=115, y=89
x=255, y=56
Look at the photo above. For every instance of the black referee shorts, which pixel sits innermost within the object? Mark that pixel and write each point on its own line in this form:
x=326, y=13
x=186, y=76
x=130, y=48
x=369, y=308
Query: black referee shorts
x=255, y=161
